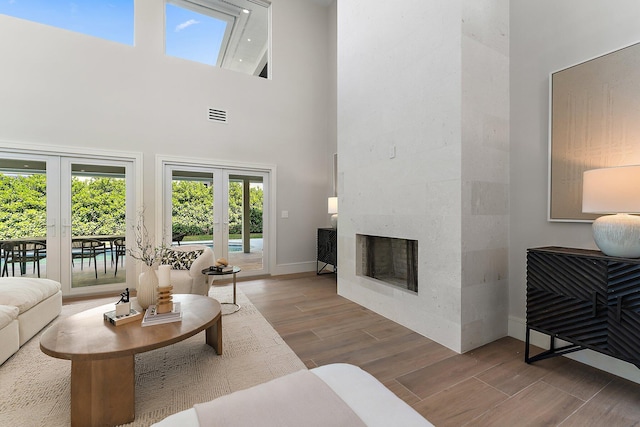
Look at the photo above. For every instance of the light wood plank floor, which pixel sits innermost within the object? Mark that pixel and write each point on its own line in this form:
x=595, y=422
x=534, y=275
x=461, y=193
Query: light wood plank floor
x=490, y=386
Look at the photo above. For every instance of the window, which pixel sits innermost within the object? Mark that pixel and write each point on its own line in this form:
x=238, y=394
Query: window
x=110, y=20
x=231, y=34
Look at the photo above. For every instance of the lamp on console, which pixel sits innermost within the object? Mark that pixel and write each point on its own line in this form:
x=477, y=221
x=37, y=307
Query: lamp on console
x=615, y=191
x=332, y=208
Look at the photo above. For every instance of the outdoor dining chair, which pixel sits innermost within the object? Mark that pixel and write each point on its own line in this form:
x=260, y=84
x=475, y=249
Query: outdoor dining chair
x=89, y=249
x=120, y=252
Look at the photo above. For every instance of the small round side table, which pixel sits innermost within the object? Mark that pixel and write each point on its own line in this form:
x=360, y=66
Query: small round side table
x=212, y=271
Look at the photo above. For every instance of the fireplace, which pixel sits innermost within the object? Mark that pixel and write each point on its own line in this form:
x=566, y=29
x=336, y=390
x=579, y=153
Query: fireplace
x=390, y=260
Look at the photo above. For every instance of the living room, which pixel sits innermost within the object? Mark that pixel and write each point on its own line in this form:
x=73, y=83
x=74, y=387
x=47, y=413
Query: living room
x=414, y=90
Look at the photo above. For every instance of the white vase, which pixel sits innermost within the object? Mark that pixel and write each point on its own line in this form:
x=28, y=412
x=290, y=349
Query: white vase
x=147, y=284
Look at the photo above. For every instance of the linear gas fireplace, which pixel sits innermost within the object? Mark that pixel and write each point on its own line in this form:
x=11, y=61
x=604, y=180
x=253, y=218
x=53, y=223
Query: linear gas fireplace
x=388, y=259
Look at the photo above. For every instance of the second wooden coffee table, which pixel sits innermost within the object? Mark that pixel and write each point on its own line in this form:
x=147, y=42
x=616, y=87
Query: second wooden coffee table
x=102, y=355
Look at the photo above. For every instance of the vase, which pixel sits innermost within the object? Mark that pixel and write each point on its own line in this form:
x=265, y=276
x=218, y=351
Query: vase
x=147, y=284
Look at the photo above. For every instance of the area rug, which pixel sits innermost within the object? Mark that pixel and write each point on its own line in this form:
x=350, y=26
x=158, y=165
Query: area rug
x=35, y=388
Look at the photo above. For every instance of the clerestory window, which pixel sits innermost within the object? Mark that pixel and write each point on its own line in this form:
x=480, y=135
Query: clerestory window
x=107, y=19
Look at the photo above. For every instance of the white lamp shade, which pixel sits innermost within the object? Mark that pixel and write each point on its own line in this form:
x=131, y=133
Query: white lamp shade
x=611, y=190
x=332, y=205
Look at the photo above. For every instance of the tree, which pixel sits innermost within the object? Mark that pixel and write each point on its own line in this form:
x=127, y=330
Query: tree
x=192, y=208
x=98, y=206
x=24, y=206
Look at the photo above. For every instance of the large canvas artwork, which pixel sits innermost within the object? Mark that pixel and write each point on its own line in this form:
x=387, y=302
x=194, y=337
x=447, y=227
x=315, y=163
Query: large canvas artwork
x=595, y=123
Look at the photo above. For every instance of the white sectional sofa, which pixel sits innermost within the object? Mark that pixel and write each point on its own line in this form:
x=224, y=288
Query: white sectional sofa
x=26, y=306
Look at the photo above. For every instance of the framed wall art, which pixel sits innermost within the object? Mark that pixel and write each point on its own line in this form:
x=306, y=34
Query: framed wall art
x=594, y=122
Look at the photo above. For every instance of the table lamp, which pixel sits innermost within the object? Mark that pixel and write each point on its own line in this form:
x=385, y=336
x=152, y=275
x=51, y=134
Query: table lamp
x=614, y=190
x=332, y=208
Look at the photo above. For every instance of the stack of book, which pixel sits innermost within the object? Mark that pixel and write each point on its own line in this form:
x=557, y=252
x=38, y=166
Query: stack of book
x=152, y=317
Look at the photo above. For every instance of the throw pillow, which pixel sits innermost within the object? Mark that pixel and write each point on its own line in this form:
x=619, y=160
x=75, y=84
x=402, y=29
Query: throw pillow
x=180, y=260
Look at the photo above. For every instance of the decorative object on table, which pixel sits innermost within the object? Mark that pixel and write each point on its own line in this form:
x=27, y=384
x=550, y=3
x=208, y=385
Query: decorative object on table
x=221, y=265
x=123, y=306
x=165, y=300
x=147, y=253
x=152, y=317
x=147, y=284
x=164, y=275
x=164, y=303
x=615, y=191
x=123, y=312
x=332, y=208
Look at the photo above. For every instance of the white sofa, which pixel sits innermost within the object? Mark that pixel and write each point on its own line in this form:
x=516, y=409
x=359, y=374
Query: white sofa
x=26, y=306
x=270, y=404
x=189, y=280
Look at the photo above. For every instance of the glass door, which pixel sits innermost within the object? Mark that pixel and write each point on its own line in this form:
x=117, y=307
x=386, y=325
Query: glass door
x=96, y=205
x=28, y=220
x=220, y=208
x=246, y=213
x=190, y=217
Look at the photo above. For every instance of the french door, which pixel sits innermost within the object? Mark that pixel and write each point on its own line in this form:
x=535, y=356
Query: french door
x=225, y=209
x=96, y=205
x=65, y=214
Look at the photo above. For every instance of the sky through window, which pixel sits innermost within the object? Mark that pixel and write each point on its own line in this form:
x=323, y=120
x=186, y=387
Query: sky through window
x=110, y=20
x=192, y=35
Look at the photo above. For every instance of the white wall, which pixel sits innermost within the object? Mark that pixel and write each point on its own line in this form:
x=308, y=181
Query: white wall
x=547, y=36
x=485, y=171
x=66, y=89
x=399, y=86
x=430, y=80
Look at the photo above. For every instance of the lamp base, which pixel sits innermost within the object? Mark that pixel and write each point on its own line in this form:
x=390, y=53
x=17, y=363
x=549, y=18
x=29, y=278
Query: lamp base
x=334, y=221
x=618, y=235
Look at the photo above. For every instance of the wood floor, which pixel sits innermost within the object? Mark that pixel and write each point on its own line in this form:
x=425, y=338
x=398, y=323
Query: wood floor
x=490, y=386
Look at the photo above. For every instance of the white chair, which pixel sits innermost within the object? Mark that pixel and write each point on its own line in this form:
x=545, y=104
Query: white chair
x=187, y=266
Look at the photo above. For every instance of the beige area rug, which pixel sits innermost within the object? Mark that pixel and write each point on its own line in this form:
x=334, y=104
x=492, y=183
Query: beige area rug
x=35, y=388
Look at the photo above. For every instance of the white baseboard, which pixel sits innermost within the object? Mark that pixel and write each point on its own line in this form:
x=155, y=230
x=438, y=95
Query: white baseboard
x=517, y=329
x=294, y=268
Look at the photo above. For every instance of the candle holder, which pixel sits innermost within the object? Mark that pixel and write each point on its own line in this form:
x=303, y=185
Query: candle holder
x=165, y=300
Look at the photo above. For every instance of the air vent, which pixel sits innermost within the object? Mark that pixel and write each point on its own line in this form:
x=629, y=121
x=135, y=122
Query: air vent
x=215, y=115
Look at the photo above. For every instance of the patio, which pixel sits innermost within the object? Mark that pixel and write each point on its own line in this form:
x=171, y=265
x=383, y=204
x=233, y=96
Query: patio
x=84, y=269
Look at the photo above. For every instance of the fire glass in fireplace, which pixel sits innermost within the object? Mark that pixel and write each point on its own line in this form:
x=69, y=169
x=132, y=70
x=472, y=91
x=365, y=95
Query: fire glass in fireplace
x=388, y=259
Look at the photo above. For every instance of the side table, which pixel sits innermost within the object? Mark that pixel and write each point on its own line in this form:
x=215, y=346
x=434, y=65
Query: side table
x=212, y=271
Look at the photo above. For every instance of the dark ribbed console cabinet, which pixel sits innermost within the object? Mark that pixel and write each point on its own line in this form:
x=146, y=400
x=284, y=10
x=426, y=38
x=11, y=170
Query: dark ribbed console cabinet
x=586, y=298
x=327, y=246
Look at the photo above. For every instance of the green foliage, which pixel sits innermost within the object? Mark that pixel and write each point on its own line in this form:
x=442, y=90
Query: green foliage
x=98, y=207
x=193, y=208
x=24, y=206
x=256, y=198
x=192, y=211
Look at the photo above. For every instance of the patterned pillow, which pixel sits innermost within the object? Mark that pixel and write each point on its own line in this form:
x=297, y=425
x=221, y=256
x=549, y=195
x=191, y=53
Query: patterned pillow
x=179, y=260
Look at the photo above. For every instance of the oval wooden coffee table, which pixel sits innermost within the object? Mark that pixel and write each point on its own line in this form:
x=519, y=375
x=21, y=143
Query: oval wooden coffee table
x=102, y=355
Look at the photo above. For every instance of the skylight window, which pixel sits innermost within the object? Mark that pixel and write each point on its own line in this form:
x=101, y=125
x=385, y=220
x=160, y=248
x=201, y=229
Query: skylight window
x=107, y=19
x=231, y=34
x=193, y=34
